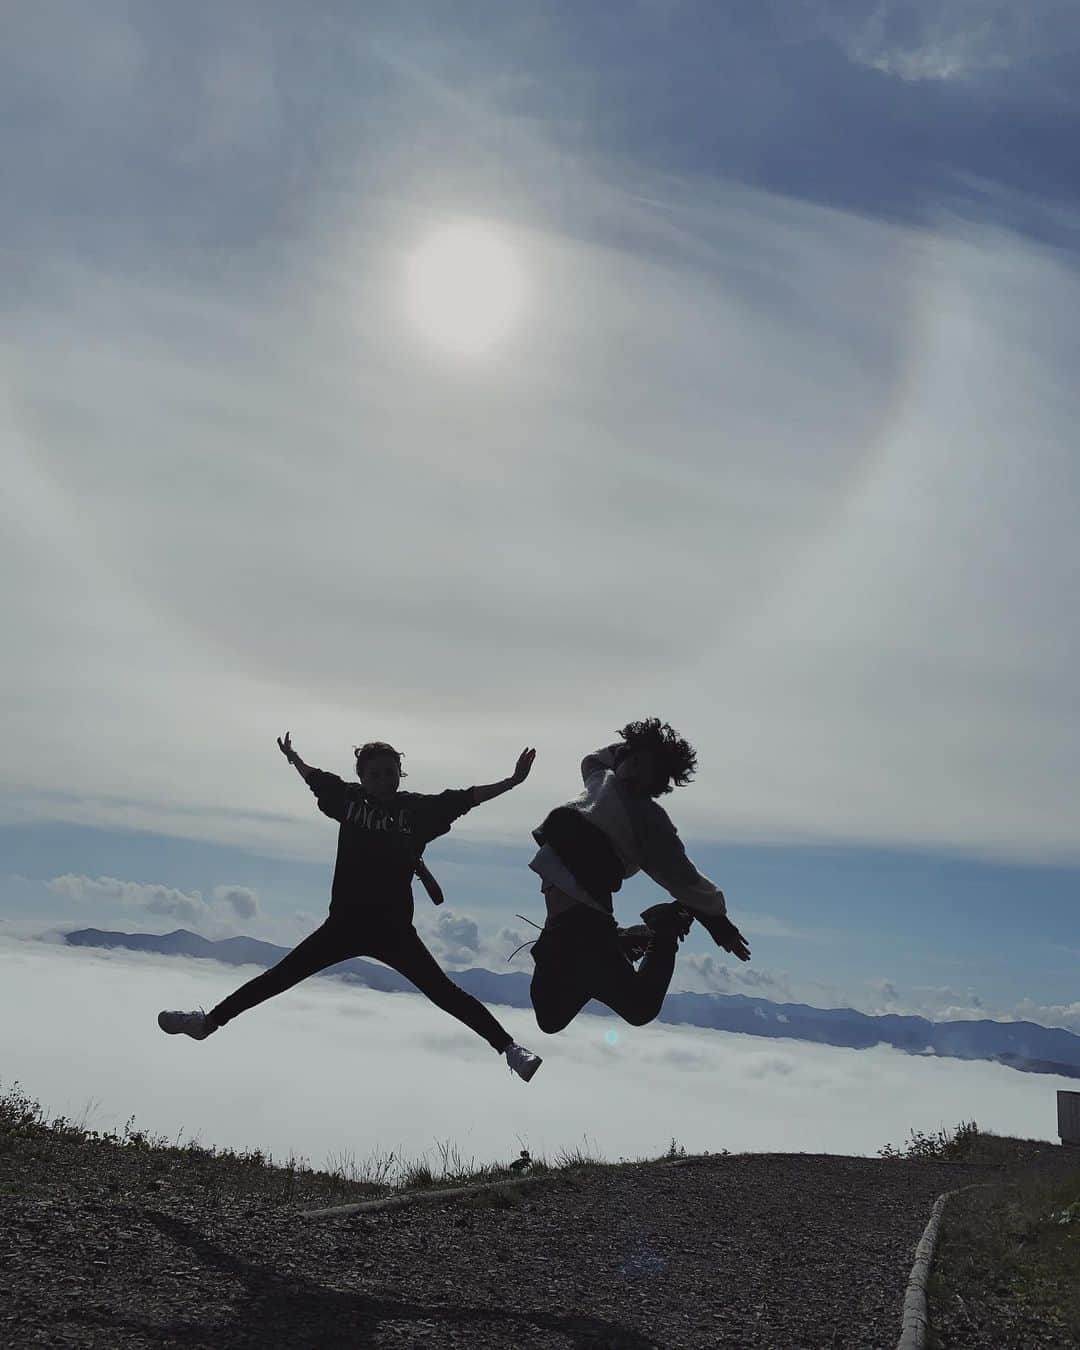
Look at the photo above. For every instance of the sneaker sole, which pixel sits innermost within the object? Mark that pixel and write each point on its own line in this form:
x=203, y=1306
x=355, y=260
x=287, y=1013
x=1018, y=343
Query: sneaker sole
x=528, y=1074
x=179, y=1031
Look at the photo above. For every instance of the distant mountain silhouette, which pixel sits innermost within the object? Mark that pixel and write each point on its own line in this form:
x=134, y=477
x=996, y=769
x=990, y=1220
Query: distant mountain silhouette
x=1018, y=1045
x=241, y=951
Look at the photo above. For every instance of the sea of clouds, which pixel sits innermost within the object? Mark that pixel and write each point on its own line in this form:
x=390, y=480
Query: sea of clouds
x=328, y=1071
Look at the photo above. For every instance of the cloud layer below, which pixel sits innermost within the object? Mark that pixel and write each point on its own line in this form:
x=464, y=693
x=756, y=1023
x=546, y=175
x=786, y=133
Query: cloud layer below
x=328, y=1070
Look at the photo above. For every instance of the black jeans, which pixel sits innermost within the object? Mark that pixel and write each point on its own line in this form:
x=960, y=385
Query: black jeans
x=397, y=945
x=578, y=957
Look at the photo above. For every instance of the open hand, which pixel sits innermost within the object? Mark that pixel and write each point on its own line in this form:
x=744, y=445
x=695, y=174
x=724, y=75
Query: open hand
x=522, y=767
x=729, y=937
x=285, y=746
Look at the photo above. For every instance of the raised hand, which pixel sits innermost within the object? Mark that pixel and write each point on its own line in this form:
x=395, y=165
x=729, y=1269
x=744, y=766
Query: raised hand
x=285, y=746
x=483, y=792
x=523, y=765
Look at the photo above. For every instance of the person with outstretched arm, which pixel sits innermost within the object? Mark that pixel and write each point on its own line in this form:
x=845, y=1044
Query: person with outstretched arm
x=586, y=848
x=382, y=834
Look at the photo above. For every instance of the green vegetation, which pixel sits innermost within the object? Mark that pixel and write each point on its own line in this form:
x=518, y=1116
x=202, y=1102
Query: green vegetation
x=956, y=1145
x=1007, y=1265
x=968, y=1144
x=1009, y=1253
x=36, y=1152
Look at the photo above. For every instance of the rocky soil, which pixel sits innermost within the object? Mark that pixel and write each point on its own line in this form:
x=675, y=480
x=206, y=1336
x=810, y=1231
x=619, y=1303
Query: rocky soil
x=106, y=1248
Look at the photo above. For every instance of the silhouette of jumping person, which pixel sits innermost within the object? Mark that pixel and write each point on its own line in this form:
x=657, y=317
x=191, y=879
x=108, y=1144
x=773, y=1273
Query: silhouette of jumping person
x=612, y=830
x=382, y=834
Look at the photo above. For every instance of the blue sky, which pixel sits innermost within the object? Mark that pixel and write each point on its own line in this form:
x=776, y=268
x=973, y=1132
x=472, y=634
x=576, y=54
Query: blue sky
x=779, y=445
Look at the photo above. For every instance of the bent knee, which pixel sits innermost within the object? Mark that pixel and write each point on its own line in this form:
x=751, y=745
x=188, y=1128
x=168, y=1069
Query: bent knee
x=550, y=1024
x=641, y=1017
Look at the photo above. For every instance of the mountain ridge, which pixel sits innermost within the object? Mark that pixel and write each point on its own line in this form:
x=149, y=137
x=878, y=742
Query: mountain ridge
x=1025, y=1046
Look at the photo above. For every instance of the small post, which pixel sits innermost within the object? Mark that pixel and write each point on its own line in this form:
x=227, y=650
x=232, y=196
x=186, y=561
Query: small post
x=1068, y=1104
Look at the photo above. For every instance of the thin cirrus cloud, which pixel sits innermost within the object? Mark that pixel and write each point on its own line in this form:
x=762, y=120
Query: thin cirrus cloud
x=945, y=39
x=796, y=559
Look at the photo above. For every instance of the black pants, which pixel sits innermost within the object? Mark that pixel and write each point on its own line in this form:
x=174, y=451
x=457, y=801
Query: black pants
x=397, y=945
x=578, y=957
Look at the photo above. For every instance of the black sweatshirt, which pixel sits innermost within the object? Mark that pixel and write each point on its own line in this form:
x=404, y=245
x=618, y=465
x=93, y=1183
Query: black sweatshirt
x=380, y=843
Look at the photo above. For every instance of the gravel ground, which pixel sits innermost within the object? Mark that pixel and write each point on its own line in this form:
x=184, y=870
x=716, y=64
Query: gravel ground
x=779, y=1251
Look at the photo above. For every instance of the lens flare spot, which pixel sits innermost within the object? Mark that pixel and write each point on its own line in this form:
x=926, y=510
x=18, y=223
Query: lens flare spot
x=611, y=1037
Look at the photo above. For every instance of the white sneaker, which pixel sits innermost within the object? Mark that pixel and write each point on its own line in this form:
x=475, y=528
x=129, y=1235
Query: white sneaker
x=521, y=1061
x=192, y=1024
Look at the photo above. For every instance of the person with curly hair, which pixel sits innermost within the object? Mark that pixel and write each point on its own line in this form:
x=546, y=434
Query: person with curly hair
x=587, y=847
x=382, y=834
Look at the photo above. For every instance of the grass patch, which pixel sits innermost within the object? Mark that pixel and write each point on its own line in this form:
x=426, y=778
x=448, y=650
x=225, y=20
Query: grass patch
x=39, y=1154
x=968, y=1144
x=942, y=1145
x=1009, y=1256
x=1007, y=1265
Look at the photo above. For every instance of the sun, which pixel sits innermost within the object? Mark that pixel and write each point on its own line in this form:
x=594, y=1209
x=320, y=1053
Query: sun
x=465, y=288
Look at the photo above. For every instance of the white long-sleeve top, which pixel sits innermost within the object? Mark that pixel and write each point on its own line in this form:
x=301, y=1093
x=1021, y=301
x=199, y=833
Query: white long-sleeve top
x=642, y=835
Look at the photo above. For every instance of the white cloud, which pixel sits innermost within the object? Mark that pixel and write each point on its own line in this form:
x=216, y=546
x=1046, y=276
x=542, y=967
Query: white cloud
x=456, y=940
x=218, y=918
x=1065, y=1015
x=708, y=974
x=656, y=1081
x=947, y=39
x=242, y=900
x=458, y=931
x=946, y=1003
x=187, y=906
x=704, y=973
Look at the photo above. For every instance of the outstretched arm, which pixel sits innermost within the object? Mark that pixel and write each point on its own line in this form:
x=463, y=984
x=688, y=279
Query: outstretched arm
x=521, y=772
x=285, y=746
x=664, y=859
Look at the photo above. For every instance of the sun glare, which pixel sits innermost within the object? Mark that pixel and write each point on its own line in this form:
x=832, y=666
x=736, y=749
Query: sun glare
x=464, y=288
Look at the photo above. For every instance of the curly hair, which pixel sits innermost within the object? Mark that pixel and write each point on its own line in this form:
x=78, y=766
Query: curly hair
x=372, y=749
x=675, y=757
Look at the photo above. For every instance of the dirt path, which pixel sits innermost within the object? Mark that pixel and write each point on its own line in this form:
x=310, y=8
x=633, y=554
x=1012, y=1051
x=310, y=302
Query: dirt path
x=752, y=1250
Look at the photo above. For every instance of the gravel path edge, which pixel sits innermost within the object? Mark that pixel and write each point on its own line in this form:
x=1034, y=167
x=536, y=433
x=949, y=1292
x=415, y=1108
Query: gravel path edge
x=914, y=1323
x=457, y=1192
x=416, y=1198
